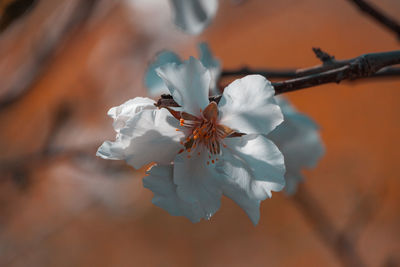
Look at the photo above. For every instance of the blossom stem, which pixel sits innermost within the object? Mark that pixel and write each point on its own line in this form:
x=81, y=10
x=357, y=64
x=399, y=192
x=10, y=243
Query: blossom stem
x=339, y=243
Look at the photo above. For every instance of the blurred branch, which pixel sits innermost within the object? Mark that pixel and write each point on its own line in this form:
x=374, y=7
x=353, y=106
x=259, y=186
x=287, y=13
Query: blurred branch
x=11, y=10
x=364, y=212
x=377, y=15
x=340, y=244
x=331, y=71
x=19, y=169
x=43, y=51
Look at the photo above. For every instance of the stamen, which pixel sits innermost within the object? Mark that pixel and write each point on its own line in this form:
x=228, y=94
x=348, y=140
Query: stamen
x=203, y=131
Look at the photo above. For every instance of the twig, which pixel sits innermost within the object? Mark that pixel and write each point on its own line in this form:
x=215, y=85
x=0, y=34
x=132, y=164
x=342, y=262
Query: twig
x=359, y=67
x=279, y=74
x=326, y=231
x=323, y=56
x=364, y=66
x=378, y=15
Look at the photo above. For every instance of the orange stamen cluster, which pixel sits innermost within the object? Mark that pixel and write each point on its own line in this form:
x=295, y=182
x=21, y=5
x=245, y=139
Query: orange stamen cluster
x=204, y=131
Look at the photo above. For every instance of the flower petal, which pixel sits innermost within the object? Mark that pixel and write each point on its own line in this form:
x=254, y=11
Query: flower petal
x=298, y=139
x=188, y=84
x=150, y=136
x=250, y=169
x=153, y=82
x=127, y=110
x=262, y=156
x=196, y=183
x=247, y=106
x=160, y=181
x=192, y=16
x=212, y=64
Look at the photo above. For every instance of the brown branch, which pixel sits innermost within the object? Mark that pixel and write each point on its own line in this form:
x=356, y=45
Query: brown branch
x=293, y=73
x=341, y=246
x=364, y=66
x=359, y=67
x=378, y=15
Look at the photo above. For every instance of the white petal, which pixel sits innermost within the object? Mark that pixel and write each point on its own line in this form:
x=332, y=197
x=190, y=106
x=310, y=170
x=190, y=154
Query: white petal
x=299, y=140
x=121, y=114
x=247, y=105
x=150, y=136
x=188, y=84
x=212, y=64
x=192, y=16
x=196, y=183
x=262, y=156
x=153, y=82
x=251, y=168
x=160, y=181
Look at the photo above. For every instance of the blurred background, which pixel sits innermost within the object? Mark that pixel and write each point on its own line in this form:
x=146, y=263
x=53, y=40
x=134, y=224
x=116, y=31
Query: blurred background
x=64, y=63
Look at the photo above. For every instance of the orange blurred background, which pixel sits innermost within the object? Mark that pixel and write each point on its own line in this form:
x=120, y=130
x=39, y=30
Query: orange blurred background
x=74, y=59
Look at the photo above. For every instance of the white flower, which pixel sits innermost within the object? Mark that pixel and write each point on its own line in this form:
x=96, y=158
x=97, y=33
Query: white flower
x=193, y=16
x=298, y=139
x=203, y=149
x=156, y=85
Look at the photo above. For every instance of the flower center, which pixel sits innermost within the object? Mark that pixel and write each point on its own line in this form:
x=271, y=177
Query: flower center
x=203, y=132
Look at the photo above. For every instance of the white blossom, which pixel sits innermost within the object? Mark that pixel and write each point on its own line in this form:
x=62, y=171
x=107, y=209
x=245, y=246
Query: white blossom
x=203, y=149
x=299, y=140
x=156, y=86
